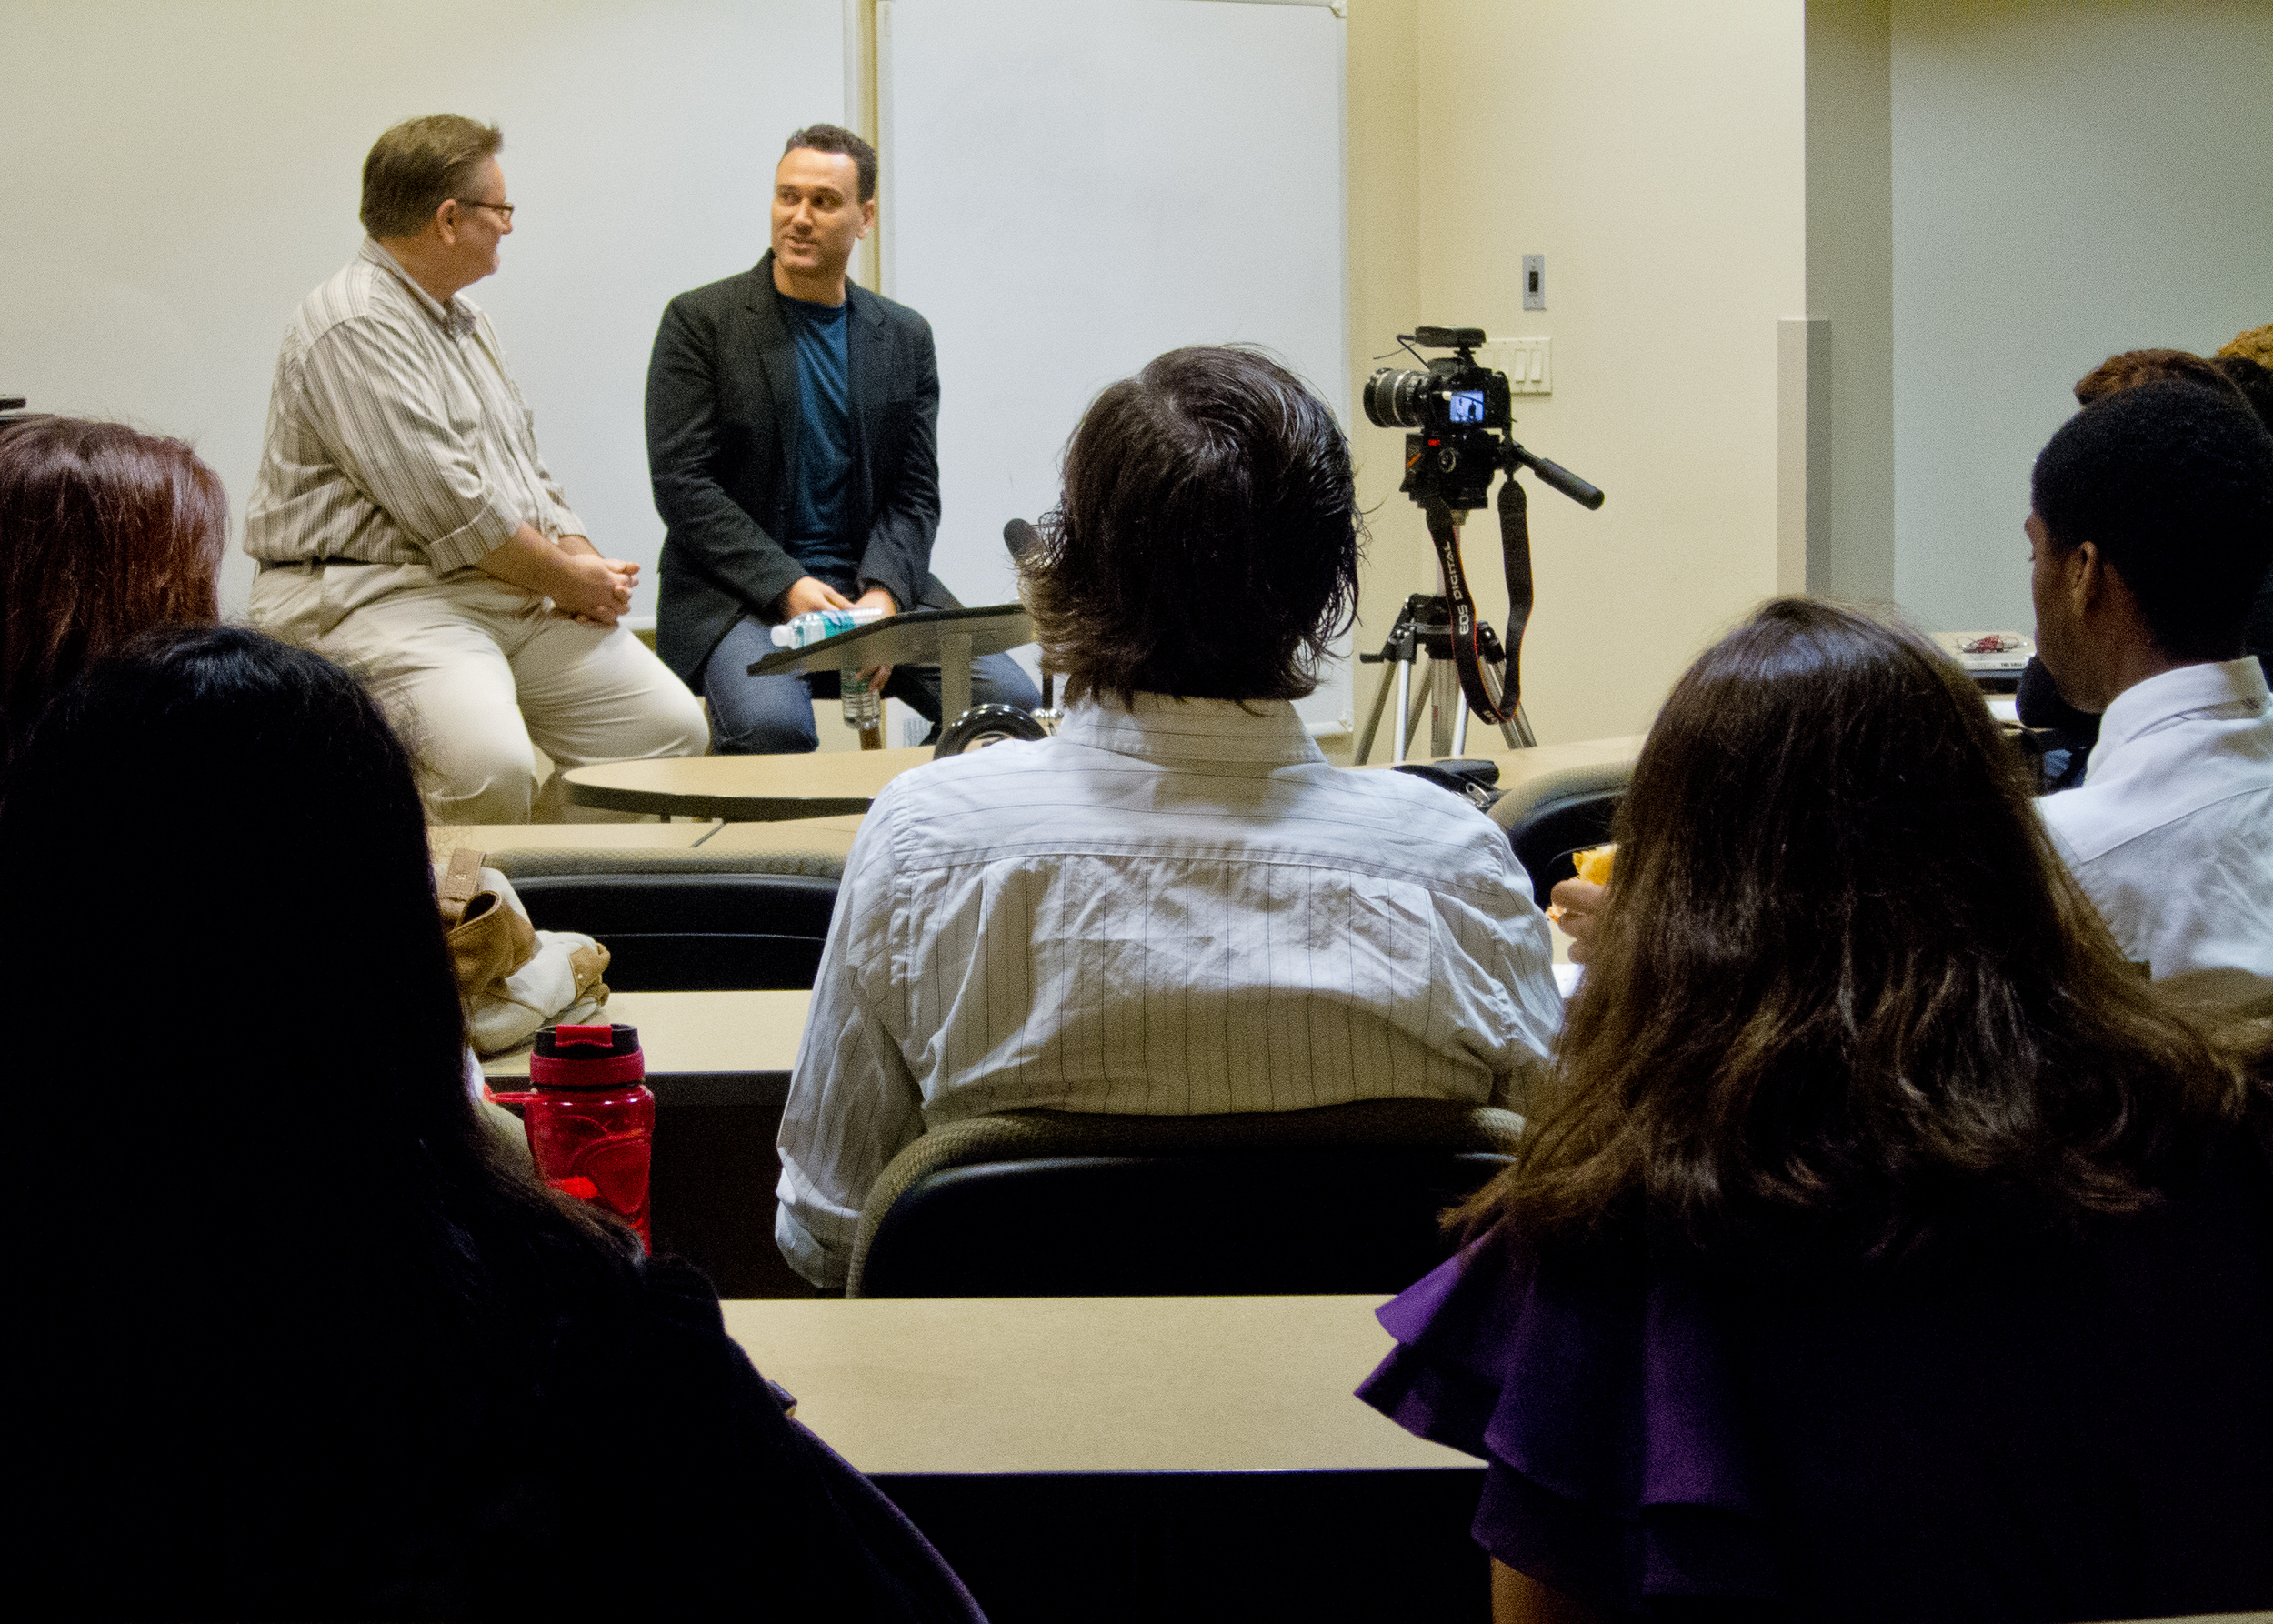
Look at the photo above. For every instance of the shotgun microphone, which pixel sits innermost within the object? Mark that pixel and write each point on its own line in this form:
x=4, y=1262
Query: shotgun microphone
x=1021, y=538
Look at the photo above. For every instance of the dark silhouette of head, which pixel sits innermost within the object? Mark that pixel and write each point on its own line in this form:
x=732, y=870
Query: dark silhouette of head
x=238, y=1093
x=1206, y=543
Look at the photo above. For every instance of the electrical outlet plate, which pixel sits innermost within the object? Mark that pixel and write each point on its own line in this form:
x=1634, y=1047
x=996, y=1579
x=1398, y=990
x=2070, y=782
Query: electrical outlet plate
x=1528, y=362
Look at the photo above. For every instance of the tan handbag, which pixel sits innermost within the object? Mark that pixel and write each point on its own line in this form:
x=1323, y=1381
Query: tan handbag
x=512, y=977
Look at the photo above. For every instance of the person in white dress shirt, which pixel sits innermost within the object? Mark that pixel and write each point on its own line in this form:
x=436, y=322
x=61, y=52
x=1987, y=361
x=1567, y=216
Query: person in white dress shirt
x=2151, y=524
x=1174, y=905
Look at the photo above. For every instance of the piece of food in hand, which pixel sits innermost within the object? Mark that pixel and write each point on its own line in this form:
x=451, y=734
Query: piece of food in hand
x=1594, y=867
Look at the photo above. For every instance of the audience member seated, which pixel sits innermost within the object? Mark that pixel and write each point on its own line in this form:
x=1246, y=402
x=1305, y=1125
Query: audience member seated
x=2152, y=524
x=2246, y=361
x=104, y=532
x=2070, y=733
x=1882, y=1247
x=1174, y=907
x=292, y=1339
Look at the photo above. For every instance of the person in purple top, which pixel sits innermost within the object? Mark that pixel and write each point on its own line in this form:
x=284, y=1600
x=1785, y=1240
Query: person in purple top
x=1884, y=1249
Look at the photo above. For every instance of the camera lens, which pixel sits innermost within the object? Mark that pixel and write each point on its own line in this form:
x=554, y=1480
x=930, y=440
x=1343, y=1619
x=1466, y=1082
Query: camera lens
x=1393, y=398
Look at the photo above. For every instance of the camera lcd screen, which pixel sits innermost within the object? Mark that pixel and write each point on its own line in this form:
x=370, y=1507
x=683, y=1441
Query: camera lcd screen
x=1467, y=406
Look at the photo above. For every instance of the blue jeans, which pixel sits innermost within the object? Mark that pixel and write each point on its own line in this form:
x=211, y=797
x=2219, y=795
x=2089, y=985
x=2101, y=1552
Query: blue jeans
x=767, y=716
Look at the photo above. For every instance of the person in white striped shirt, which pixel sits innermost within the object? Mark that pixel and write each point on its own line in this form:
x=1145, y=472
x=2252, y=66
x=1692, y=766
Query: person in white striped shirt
x=405, y=525
x=1174, y=905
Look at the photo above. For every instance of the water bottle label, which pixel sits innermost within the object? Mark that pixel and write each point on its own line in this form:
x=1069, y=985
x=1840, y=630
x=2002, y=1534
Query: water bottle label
x=814, y=625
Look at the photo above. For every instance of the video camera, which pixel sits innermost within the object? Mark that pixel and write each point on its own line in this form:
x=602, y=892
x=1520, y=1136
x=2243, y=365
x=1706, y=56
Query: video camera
x=1463, y=412
x=1456, y=405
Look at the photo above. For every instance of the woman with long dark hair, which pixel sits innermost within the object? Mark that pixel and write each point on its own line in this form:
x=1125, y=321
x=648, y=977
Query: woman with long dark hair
x=293, y=1335
x=1884, y=1250
x=104, y=532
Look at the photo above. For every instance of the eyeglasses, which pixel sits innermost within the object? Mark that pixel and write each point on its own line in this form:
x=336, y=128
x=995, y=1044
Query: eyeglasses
x=503, y=208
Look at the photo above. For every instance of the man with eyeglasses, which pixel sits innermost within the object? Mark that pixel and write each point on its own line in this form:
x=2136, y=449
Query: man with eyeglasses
x=792, y=440
x=406, y=526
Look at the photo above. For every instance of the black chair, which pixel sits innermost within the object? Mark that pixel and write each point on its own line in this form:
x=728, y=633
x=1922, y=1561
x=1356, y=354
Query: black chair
x=691, y=932
x=1549, y=818
x=1338, y=1200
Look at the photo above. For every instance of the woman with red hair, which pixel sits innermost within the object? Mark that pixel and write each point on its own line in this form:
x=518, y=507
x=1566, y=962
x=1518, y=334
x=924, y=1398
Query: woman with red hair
x=104, y=532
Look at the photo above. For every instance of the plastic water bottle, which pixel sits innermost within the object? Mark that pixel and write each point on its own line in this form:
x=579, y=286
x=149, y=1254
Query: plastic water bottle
x=864, y=709
x=802, y=631
x=590, y=1117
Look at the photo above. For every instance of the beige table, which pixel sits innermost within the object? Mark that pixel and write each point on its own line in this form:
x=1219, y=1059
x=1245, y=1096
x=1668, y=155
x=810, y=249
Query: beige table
x=687, y=1037
x=745, y=788
x=1087, y=1384
x=793, y=834
x=443, y=838
x=1184, y=1457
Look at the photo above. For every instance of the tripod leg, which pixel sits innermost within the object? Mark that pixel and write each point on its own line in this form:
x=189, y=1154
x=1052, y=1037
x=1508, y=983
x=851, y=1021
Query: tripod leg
x=1448, y=700
x=1404, y=709
x=1460, y=731
x=1373, y=721
x=1522, y=737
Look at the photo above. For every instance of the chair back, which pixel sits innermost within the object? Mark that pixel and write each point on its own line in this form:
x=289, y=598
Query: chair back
x=1556, y=814
x=692, y=932
x=1335, y=1199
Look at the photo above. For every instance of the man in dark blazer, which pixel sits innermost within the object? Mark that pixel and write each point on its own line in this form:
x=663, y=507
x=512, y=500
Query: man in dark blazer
x=792, y=441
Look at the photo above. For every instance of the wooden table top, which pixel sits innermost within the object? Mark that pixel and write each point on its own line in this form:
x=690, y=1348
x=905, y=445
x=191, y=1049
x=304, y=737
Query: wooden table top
x=833, y=784
x=745, y=788
x=803, y=834
x=1130, y=1384
x=695, y=1034
x=443, y=838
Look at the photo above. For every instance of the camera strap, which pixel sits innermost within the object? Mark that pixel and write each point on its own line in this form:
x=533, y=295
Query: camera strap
x=1494, y=690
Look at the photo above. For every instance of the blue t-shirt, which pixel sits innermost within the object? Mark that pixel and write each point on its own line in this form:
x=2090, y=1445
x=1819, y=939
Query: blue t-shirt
x=816, y=537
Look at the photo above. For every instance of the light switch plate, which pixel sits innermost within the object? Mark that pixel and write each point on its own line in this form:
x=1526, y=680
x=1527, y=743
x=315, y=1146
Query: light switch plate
x=1535, y=282
x=1528, y=362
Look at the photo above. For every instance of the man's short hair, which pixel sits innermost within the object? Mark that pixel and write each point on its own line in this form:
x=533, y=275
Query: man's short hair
x=2174, y=484
x=831, y=137
x=417, y=166
x=1206, y=542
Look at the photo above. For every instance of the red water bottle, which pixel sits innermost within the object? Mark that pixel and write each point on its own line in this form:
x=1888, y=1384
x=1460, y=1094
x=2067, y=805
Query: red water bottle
x=590, y=1117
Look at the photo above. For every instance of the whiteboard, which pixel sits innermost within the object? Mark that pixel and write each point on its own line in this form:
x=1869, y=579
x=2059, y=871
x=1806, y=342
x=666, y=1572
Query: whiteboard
x=179, y=175
x=1073, y=186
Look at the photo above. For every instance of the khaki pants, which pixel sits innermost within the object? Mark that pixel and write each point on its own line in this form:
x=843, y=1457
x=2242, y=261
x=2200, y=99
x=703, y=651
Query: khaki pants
x=471, y=669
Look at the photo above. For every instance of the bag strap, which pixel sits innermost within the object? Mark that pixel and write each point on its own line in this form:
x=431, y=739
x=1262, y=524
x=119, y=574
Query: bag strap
x=459, y=885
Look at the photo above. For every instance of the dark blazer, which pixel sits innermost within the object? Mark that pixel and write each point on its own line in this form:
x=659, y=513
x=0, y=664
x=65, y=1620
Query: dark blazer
x=722, y=445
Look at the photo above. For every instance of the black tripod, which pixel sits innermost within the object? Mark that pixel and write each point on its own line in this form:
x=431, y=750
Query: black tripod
x=1424, y=625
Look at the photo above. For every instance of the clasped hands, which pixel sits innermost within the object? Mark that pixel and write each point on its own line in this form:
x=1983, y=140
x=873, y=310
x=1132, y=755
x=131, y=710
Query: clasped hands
x=805, y=595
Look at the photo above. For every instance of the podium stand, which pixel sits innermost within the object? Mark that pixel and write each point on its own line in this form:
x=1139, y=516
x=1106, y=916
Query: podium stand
x=948, y=638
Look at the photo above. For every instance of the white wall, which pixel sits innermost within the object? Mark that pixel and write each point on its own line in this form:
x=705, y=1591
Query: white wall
x=1074, y=187
x=177, y=175
x=2071, y=178
x=1654, y=151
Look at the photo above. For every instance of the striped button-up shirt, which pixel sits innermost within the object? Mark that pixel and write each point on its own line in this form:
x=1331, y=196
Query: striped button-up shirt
x=1180, y=911
x=395, y=435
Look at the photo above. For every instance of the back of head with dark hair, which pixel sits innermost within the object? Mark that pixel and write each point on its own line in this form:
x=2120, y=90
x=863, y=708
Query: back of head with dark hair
x=236, y=1096
x=1845, y=1004
x=835, y=138
x=2173, y=484
x=104, y=532
x=1206, y=542
x=2253, y=380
